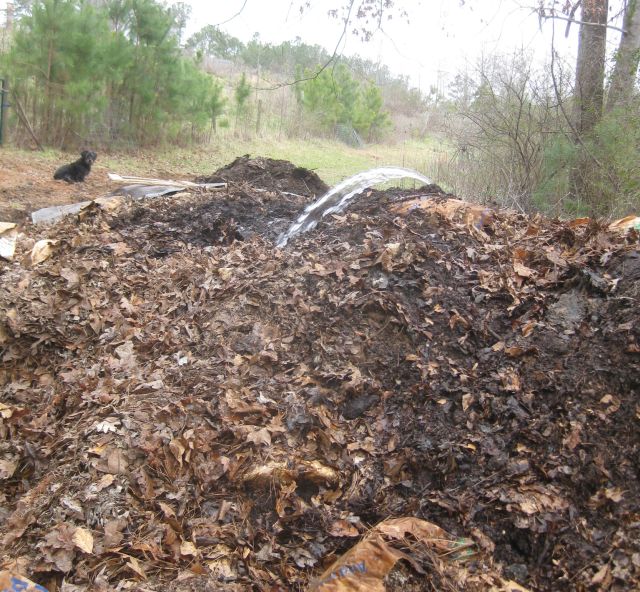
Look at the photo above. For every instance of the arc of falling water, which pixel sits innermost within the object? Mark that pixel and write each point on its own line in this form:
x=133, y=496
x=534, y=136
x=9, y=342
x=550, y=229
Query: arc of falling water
x=337, y=198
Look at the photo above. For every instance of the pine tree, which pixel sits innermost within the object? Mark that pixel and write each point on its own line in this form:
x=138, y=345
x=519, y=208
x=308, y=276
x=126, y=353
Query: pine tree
x=242, y=92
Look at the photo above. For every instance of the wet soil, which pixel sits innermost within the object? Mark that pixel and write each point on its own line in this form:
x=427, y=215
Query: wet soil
x=167, y=375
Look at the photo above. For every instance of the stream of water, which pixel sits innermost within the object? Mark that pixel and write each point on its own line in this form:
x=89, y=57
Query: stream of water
x=338, y=198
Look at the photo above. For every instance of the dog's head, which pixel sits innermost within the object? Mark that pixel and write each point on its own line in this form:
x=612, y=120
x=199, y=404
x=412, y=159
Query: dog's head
x=88, y=157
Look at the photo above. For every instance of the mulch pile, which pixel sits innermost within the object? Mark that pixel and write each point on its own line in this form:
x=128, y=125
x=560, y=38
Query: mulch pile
x=185, y=407
x=268, y=173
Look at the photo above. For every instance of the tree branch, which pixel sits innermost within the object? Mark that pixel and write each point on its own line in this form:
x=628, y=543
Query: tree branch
x=585, y=23
x=322, y=68
x=572, y=14
x=572, y=127
x=236, y=15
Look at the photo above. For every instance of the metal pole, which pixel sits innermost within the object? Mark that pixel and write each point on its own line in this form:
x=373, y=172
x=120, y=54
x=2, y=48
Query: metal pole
x=3, y=107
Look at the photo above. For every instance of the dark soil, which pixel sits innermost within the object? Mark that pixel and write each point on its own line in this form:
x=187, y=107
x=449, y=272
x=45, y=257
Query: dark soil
x=270, y=174
x=236, y=214
x=168, y=375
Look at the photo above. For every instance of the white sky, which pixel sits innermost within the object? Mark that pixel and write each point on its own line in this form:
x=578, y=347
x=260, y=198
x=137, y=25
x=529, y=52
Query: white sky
x=440, y=39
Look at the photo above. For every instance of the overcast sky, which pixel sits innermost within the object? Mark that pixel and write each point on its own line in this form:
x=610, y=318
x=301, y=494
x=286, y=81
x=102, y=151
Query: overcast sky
x=439, y=40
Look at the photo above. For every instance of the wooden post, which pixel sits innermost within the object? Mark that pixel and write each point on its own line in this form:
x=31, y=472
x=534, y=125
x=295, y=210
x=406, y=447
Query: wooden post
x=23, y=118
x=259, y=117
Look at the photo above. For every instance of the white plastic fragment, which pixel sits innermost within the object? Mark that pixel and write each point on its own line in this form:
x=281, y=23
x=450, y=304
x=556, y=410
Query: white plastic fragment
x=8, y=237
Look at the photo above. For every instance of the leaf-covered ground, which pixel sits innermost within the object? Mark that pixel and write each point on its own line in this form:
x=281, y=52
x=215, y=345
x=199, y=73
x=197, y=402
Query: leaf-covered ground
x=185, y=407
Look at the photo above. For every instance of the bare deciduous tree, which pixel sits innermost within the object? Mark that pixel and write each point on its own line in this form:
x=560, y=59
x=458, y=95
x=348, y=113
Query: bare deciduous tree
x=624, y=74
x=590, y=65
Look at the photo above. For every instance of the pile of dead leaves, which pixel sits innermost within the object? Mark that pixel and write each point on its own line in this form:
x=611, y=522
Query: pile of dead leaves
x=184, y=407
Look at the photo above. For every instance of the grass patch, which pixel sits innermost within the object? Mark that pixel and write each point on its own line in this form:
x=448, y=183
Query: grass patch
x=333, y=161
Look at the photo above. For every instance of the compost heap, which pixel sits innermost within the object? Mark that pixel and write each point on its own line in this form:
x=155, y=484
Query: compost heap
x=185, y=407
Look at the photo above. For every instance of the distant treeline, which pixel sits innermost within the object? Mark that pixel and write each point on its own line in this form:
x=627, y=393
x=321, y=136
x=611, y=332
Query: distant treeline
x=106, y=71
x=348, y=91
x=291, y=57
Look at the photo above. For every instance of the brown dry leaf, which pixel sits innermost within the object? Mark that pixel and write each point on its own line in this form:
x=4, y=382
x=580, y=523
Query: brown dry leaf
x=134, y=564
x=574, y=438
x=260, y=437
x=117, y=463
x=104, y=482
x=106, y=425
x=125, y=304
x=109, y=203
x=578, y=222
x=467, y=400
x=528, y=328
x=342, y=528
x=555, y=258
x=119, y=248
x=6, y=412
x=7, y=469
x=429, y=534
x=187, y=548
x=222, y=569
x=515, y=351
x=178, y=450
x=457, y=319
x=522, y=270
x=113, y=532
x=625, y=223
x=83, y=539
x=42, y=250
x=602, y=578
x=127, y=355
x=317, y=472
x=507, y=586
x=612, y=402
x=615, y=494
x=72, y=277
x=388, y=255
x=58, y=547
x=485, y=543
x=510, y=380
x=523, y=448
x=536, y=499
x=356, y=379
x=238, y=406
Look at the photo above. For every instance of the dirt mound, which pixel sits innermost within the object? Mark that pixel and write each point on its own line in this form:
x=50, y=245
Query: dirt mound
x=270, y=174
x=180, y=405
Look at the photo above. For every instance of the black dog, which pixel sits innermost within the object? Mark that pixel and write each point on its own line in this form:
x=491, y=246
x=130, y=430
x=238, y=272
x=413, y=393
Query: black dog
x=78, y=170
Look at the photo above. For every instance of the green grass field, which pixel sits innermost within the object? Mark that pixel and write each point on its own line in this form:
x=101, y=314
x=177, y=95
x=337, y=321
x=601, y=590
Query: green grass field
x=333, y=161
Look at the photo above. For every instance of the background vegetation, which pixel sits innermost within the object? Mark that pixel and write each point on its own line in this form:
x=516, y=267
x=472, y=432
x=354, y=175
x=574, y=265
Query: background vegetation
x=119, y=75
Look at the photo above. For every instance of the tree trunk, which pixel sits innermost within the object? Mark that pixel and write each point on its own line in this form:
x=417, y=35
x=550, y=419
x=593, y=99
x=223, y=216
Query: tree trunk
x=590, y=65
x=48, y=101
x=624, y=73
